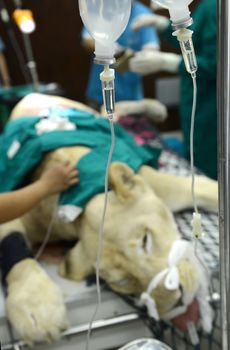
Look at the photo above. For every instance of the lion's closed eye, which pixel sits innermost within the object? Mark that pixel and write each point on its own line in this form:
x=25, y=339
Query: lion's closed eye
x=147, y=243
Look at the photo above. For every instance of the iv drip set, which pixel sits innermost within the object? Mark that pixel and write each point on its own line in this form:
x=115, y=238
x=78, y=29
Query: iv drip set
x=181, y=19
x=106, y=20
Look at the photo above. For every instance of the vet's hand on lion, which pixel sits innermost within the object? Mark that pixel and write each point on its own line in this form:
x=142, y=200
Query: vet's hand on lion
x=56, y=179
x=59, y=178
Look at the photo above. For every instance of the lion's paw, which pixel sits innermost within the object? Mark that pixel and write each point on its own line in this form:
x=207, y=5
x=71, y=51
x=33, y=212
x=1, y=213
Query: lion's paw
x=34, y=303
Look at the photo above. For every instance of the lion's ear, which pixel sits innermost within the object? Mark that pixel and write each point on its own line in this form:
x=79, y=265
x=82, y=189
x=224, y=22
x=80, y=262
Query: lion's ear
x=124, y=181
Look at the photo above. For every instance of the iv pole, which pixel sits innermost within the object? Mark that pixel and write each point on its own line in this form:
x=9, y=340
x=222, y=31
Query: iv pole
x=4, y=15
x=224, y=163
x=31, y=64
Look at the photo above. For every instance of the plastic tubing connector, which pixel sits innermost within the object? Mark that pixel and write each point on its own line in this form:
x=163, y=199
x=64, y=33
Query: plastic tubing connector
x=184, y=36
x=107, y=78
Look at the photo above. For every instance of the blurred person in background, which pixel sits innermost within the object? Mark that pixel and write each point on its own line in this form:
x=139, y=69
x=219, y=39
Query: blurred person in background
x=204, y=38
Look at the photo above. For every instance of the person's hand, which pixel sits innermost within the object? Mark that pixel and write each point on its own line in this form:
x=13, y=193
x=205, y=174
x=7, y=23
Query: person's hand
x=59, y=178
x=118, y=48
x=155, y=110
x=154, y=6
x=157, y=21
x=149, y=61
x=151, y=108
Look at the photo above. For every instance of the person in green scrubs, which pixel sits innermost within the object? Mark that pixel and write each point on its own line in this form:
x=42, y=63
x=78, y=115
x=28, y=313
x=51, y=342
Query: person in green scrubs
x=204, y=39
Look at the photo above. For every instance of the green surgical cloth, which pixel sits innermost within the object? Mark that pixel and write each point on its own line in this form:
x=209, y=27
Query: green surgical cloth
x=90, y=132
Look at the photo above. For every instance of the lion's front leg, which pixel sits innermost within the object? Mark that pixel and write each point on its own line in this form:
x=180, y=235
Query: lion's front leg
x=34, y=304
x=176, y=191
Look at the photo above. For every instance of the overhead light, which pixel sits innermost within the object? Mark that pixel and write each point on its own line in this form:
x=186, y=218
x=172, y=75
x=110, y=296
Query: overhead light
x=24, y=20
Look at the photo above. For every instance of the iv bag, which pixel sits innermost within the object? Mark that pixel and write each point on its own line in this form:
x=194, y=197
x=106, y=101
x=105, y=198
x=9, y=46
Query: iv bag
x=105, y=20
x=178, y=9
x=169, y=3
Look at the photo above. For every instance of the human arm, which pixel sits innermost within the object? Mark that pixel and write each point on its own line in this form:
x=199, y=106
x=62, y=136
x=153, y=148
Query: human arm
x=147, y=62
x=152, y=109
x=145, y=36
x=154, y=6
x=152, y=61
x=204, y=39
x=160, y=23
x=4, y=72
x=54, y=180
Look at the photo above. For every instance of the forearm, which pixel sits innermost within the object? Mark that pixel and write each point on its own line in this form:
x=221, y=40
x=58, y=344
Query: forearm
x=17, y=203
x=4, y=70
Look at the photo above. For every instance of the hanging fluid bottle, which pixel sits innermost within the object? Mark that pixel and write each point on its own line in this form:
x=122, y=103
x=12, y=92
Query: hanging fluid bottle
x=105, y=20
x=178, y=10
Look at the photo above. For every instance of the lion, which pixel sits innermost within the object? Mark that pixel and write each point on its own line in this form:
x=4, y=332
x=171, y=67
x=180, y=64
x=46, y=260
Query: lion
x=143, y=253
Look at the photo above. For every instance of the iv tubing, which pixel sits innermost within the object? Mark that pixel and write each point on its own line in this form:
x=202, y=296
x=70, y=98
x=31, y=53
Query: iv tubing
x=195, y=239
x=48, y=233
x=101, y=232
x=192, y=141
